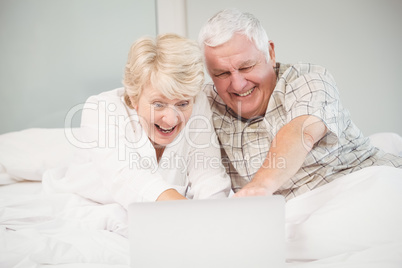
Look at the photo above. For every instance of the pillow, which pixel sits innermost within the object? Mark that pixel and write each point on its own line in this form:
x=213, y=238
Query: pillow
x=387, y=141
x=26, y=154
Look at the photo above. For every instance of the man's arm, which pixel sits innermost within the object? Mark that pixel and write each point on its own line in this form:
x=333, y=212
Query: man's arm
x=291, y=145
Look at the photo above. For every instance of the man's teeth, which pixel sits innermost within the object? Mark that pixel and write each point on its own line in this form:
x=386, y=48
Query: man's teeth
x=246, y=93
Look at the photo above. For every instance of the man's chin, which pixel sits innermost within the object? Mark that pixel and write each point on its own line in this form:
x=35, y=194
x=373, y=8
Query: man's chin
x=250, y=111
x=245, y=114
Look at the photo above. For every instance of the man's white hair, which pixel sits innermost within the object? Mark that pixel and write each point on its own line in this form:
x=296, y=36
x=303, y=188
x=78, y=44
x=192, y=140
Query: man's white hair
x=222, y=26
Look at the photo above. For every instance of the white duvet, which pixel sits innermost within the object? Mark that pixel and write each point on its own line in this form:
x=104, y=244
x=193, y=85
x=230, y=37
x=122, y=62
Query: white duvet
x=355, y=221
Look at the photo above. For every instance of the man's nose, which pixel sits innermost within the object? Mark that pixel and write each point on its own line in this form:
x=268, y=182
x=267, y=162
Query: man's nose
x=238, y=81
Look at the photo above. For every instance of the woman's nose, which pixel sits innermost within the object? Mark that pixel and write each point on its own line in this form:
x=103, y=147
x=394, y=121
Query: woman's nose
x=170, y=116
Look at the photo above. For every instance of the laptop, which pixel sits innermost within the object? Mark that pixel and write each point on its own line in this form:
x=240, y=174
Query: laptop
x=214, y=233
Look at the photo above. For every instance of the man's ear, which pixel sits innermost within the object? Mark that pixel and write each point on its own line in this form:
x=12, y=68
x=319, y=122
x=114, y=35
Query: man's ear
x=271, y=48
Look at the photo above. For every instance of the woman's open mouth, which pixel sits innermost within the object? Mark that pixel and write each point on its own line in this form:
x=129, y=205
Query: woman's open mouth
x=165, y=130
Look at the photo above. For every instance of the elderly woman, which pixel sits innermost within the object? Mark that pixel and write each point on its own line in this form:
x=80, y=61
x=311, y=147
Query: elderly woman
x=151, y=140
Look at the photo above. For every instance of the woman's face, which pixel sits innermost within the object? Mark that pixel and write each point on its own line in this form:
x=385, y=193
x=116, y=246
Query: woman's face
x=160, y=117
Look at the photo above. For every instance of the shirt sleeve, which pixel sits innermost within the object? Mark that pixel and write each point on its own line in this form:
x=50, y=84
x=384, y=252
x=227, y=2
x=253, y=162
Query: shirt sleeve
x=108, y=133
x=206, y=173
x=314, y=92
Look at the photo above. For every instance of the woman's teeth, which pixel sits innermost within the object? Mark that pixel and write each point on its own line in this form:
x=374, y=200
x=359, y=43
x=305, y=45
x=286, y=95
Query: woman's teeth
x=166, y=130
x=246, y=93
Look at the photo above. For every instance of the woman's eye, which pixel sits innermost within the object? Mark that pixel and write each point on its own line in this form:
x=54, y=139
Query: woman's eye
x=158, y=105
x=183, y=104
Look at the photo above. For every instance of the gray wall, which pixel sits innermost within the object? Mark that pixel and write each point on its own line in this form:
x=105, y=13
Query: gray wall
x=359, y=41
x=56, y=53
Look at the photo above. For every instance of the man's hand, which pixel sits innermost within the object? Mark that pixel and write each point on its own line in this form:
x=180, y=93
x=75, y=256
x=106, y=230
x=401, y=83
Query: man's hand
x=254, y=188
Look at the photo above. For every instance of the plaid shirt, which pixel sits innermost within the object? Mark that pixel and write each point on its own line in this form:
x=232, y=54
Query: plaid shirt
x=302, y=89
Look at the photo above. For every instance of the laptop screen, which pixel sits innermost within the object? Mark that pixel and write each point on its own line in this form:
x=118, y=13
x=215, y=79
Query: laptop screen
x=232, y=232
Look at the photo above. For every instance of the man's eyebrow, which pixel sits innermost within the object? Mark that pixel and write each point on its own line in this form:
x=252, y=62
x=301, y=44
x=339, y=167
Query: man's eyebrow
x=243, y=64
x=219, y=71
x=248, y=63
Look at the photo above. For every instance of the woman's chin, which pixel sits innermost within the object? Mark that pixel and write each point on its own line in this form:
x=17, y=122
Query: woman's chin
x=164, y=139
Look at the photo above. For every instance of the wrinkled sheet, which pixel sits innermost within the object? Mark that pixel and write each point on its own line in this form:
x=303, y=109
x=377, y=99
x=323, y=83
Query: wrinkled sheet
x=354, y=221
x=60, y=230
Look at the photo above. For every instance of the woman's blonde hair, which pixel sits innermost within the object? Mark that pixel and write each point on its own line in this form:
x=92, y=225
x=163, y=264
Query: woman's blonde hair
x=169, y=63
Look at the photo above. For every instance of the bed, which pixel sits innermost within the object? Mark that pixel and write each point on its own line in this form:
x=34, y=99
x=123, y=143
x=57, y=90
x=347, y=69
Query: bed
x=355, y=221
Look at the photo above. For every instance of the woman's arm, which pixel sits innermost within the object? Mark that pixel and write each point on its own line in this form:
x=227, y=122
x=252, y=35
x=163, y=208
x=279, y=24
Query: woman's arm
x=116, y=152
x=207, y=175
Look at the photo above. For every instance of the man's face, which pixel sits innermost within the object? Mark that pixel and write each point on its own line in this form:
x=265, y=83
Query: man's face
x=242, y=77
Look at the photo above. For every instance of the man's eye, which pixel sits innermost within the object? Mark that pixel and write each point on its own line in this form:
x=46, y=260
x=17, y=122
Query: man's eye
x=246, y=69
x=222, y=75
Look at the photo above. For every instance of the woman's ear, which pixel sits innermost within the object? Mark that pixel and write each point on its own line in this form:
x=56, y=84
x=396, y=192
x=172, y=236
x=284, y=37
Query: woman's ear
x=130, y=102
x=134, y=103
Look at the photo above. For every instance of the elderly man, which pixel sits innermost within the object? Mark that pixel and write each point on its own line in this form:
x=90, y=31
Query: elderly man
x=282, y=127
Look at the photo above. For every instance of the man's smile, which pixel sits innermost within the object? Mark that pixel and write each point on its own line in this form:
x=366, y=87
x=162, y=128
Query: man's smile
x=245, y=93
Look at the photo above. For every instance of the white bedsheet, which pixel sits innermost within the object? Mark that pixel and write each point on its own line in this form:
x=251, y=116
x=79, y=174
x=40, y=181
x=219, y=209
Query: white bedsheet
x=41, y=229
x=355, y=221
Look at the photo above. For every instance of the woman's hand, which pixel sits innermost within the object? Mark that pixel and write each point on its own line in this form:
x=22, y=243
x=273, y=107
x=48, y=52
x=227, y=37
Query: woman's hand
x=170, y=194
